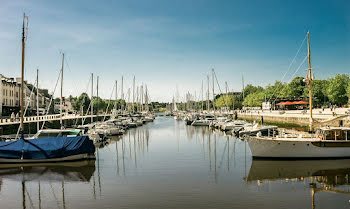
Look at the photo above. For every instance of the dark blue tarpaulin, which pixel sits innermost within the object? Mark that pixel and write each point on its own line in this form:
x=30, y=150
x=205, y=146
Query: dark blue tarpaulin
x=46, y=148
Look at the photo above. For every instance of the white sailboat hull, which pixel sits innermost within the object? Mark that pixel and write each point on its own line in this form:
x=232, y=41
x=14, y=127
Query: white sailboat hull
x=295, y=148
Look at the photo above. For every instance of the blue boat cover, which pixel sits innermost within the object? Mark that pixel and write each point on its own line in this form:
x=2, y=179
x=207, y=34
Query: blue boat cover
x=46, y=148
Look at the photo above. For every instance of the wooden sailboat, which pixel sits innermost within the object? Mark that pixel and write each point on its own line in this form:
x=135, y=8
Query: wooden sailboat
x=43, y=150
x=325, y=142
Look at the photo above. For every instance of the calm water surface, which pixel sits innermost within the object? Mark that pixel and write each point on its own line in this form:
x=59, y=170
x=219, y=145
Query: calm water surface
x=166, y=164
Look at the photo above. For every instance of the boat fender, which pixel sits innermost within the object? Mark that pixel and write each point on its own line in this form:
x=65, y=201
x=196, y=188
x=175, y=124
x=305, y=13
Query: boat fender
x=258, y=134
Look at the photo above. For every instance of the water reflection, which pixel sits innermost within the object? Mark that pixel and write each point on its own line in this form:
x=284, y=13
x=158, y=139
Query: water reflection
x=215, y=147
x=66, y=172
x=49, y=174
x=322, y=175
x=132, y=145
x=166, y=164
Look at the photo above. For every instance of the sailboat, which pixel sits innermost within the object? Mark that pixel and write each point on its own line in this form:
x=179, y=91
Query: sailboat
x=43, y=150
x=325, y=142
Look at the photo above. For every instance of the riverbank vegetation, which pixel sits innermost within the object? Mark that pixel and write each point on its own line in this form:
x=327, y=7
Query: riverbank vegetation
x=331, y=91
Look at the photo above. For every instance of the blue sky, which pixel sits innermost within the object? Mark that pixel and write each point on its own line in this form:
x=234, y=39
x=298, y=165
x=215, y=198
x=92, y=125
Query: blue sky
x=173, y=43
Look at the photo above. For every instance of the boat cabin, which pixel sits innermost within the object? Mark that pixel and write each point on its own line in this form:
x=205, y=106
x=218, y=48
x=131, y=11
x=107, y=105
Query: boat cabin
x=334, y=133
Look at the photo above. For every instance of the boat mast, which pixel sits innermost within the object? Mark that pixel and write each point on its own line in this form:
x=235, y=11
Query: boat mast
x=226, y=97
x=133, y=95
x=243, y=87
x=97, y=87
x=61, y=100
x=142, y=98
x=208, y=104
x=122, y=97
x=92, y=97
x=212, y=70
x=202, y=98
x=310, y=81
x=22, y=82
x=116, y=97
x=146, y=99
x=37, y=99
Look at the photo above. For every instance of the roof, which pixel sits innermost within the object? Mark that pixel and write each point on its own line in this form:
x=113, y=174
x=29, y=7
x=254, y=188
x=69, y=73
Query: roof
x=335, y=128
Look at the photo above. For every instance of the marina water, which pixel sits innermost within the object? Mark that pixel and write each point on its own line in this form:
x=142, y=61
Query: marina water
x=166, y=164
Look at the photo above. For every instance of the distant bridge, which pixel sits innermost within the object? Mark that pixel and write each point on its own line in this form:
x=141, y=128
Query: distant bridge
x=34, y=119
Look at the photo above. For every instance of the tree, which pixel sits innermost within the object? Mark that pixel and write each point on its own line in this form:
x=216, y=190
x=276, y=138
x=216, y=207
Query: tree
x=71, y=98
x=225, y=100
x=348, y=92
x=254, y=99
x=319, y=92
x=99, y=105
x=249, y=89
x=276, y=90
x=337, y=89
x=295, y=88
x=83, y=100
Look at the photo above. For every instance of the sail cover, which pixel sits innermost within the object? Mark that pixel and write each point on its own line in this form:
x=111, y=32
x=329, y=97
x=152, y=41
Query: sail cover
x=46, y=148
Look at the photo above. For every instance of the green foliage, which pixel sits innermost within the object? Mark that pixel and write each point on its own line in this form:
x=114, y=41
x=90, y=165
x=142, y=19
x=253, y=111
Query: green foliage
x=100, y=105
x=225, y=100
x=254, y=99
x=276, y=90
x=319, y=92
x=295, y=88
x=71, y=98
x=337, y=89
x=83, y=100
x=249, y=89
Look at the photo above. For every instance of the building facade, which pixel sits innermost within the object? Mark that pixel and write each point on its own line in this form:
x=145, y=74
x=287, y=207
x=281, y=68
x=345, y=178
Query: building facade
x=10, y=89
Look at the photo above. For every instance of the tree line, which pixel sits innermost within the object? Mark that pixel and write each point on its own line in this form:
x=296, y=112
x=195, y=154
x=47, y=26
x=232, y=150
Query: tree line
x=331, y=91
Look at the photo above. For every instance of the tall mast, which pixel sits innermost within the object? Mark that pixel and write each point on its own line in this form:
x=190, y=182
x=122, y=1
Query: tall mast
x=133, y=94
x=202, y=97
x=92, y=97
x=142, y=98
x=22, y=80
x=129, y=106
x=146, y=100
x=137, y=99
x=243, y=86
x=61, y=100
x=212, y=70
x=116, y=96
x=208, y=104
x=226, y=96
x=97, y=87
x=37, y=99
x=122, y=96
x=310, y=81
